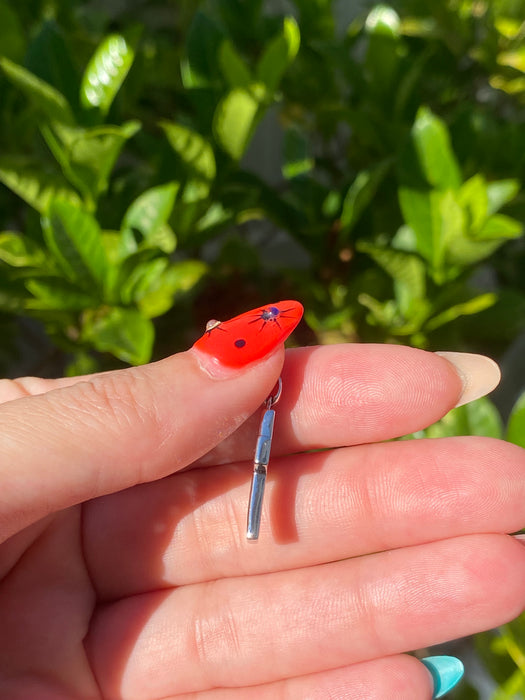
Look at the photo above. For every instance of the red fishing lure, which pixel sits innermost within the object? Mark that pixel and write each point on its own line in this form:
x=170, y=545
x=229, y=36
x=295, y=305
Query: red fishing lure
x=250, y=336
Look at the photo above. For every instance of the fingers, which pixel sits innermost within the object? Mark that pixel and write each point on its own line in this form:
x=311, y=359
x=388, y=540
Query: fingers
x=113, y=430
x=318, y=507
x=391, y=678
x=349, y=394
x=118, y=429
x=333, y=395
x=261, y=629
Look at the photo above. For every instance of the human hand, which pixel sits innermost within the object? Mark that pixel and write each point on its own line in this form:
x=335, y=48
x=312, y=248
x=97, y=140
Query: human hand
x=125, y=572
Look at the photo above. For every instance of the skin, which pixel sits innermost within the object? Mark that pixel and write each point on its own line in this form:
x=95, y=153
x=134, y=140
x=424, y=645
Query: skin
x=125, y=572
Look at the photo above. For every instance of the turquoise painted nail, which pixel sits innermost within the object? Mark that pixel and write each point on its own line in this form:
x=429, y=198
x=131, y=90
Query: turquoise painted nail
x=446, y=671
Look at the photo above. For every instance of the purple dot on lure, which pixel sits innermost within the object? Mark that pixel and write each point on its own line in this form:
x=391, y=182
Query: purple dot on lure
x=240, y=343
x=270, y=313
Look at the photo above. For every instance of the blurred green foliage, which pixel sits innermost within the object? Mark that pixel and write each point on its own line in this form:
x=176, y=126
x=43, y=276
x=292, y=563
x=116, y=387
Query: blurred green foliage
x=383, y=187
x=164, y=161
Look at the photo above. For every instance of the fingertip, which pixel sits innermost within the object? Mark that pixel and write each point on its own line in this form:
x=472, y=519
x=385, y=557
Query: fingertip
x=350, y=393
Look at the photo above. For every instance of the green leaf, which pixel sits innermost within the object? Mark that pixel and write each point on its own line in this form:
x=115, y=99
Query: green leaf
x=154, y=284
x=382, y=313
x=35, y=184
x=82, y=363
x=125, y=333
x=383, y=20
x=233, y=66
x=124, y=273
x=470, y=247
x=57, y=294
x=436, y=219
x=407, y=271
x=44, y=97
x=278, y=55
x=105, y=72
x=500, y=193
x=113, y=246
x=74, y=238
x=421, y=213
x=360, y=194
x=465, y=251
x=19, y=251
x=143, y=276
x=383, y=53
x=500, y=227
x=149, y=213
x=236, y=118
x=163, y=238
x=473, y=196
x=508, y=27
x=193, y=149
x=87, y=156
x=431, y=141
x=182, y=276
x=475, y=418
x=193, y=197
x=516, y=424
x=514, y=59
x=214, y=218
x=514, y=86
x=405, y=239
x=466, y=308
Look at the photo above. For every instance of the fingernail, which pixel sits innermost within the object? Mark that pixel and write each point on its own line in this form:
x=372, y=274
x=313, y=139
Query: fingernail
x=250, y=336
x=446, y=672
x=479, y=374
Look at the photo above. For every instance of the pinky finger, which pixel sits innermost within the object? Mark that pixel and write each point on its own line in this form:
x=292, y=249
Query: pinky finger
x=400, y=677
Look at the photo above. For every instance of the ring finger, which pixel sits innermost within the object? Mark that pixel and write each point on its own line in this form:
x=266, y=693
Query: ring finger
x=259, y=629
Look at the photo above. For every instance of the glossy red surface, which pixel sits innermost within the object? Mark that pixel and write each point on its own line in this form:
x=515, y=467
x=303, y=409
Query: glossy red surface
x=252, y=335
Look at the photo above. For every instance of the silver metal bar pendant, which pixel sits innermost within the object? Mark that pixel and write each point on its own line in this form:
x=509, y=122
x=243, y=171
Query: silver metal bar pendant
x=260, y=465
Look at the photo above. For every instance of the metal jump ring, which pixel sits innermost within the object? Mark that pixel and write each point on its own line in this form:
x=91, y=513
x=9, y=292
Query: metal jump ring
x=274, y=398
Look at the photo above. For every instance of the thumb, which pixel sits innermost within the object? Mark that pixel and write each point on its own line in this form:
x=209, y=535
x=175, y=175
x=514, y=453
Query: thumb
x=114, y=430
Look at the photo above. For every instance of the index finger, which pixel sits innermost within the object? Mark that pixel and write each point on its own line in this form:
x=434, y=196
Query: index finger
x=341, y=395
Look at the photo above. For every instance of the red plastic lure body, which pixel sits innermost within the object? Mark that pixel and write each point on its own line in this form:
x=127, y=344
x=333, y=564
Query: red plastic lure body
x=250, y=336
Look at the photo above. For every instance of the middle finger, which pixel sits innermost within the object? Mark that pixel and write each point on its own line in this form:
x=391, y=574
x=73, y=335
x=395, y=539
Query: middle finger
x=319, y=507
